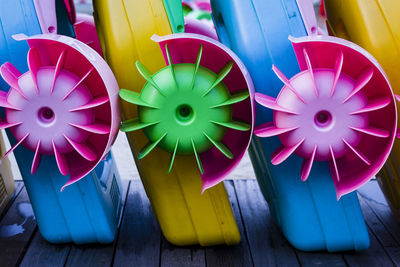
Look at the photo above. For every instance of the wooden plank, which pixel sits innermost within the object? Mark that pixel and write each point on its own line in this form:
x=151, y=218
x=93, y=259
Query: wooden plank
x=140, y=236
x=267, y=245
x=238, y=255
x=91, y=255
x=390, y=245
x=123, y=157
x=19, y=184
x=97, y=255
x=374, y=256
x=320, y=259
x=139, y=242
x=17, y=190
x=42, y=253
x=181, y=256
x=374, y=197
x=16, y=230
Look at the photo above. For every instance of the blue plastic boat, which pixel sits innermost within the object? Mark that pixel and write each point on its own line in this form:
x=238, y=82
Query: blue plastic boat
x=87, y=211
x=308, y=213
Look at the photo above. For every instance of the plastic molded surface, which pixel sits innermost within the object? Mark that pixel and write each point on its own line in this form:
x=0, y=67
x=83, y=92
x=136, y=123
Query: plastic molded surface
x=198, y=10
x=186, y=108
x=375, y=26
x=85, y=31
x=341, y=111
x=175, y=15
x=198, y=27
x=87, y=211
x=308, y=213
x=186, y=217
x=61, y=108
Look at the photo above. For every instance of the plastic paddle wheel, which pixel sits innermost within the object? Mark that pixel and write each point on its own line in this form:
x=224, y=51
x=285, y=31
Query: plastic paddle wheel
x=339, y=108
x=60, y=108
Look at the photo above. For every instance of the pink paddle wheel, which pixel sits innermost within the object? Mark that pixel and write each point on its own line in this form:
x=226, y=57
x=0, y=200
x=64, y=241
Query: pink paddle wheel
x=340, y=108
x=65, y=106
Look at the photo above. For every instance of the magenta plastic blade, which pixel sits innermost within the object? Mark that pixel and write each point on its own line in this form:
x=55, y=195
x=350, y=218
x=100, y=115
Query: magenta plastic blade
x=355, y=104
x=362, y=81
x=93, y=103
x=61, y=161
x=4, y=103
x=78, y=83
x=269, y=130
x=310, y=70
x=358, y=153
x=34, y=63
x=96, y=128
x=6, y=125
x=270, y=103
x=16, y=145
x=373, y=131
x=36, y=159
x=286, y=81
x=10, y=74
x=307, y=165
x=283, y=152
x=334, y=164
x=338, y=71
x=374, y=105
x=59, y=66
x=83, y=150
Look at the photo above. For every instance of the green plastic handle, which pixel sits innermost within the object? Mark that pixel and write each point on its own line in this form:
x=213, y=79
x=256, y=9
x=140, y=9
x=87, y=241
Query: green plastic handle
x=175, y=14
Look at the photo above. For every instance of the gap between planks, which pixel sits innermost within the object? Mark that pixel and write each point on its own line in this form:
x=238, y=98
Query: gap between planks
x=139, y=239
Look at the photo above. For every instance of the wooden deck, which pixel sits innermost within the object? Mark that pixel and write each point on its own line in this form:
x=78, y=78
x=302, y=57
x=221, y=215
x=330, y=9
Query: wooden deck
x=140, y=243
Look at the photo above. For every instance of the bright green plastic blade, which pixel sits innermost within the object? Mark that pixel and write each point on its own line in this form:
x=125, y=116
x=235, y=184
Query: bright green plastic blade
x=236, y=98
x=147, y=75
x=134, y=98
x=240, y=126
x=134, y=125
x=198, y=59
x=149, y=147
x=170, y=64
x=221, y=147
x=171, y=162
x=221, y=75
x=199, y=164
x=197, y=65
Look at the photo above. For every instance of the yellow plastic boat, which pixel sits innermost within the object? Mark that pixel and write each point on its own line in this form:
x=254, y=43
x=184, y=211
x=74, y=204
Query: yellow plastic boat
x=186, y=216
x=374, y=25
